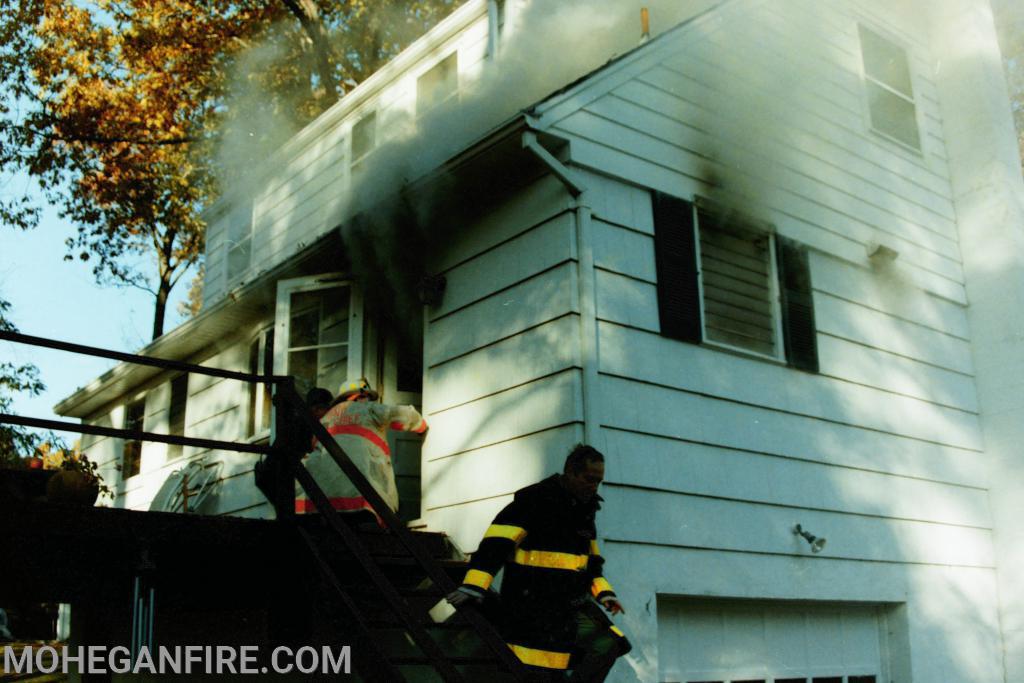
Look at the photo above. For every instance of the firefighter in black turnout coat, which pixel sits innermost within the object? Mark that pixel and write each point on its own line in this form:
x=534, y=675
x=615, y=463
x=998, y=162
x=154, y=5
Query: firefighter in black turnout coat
x=546, y=541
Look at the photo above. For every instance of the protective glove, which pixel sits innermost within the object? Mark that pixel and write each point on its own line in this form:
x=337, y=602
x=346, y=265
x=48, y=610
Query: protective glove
x=612, y=604
x=464, y=595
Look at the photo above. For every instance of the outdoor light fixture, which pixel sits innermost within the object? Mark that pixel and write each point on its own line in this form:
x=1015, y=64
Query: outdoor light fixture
x=881, y=254
x=816, y=543
x=430, y=289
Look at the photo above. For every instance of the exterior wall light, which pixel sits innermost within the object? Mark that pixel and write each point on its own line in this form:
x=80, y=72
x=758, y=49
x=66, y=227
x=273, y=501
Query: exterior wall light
x=430, y=289
x=817, y=543
x=882, y=255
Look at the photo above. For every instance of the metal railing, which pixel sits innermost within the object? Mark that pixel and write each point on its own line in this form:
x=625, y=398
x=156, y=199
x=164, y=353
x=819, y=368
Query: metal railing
x=131, y=434
x=288, y=407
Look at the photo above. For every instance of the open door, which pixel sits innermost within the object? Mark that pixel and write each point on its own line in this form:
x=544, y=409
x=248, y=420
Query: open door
x=318, y=331
x=401, y=383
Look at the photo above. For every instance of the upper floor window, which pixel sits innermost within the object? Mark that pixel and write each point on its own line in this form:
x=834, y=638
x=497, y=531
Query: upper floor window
x=438, y=84
x=728, y=282
x=131, y=454
x=738, y=282
x=364, y=136
x=887, y=84
x=319, y=332
x=239, y=240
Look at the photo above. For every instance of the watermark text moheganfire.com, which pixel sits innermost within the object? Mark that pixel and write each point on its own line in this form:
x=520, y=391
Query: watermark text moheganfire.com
x=187, y=659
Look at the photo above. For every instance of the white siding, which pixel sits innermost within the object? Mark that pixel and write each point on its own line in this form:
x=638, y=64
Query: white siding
x=882, y=448
x=804, y=153
x=713, y=456
x=502, y=388
x=306, y=188
x=215, y=409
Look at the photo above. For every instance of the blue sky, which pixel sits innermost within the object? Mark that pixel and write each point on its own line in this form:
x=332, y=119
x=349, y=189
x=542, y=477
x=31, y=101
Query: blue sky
x=59, y=299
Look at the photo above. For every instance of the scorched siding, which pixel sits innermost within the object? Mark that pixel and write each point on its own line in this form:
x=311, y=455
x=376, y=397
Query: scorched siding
x=502, y=381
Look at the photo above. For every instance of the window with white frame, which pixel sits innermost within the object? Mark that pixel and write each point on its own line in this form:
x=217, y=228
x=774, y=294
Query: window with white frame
x=261, y=362
x=131, y=452
x=238, y=240
x=888, y=87
x=738, y=284
x=727, y=281
x=318, y=332
x=364, y=136
x=438, y=84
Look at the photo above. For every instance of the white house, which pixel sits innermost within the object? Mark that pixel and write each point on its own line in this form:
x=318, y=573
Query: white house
x=770, y=261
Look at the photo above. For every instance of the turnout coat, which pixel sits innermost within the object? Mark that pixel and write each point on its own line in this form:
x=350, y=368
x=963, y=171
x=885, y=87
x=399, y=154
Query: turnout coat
x=546, y=540
x=360, y=428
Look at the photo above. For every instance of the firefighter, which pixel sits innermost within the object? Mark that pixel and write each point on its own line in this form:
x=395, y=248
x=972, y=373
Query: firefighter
x=553, y=582
x=359, y=424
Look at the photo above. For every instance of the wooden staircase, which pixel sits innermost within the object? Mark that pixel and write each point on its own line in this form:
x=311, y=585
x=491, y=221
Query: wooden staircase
x=352, y=596
x=382, y=584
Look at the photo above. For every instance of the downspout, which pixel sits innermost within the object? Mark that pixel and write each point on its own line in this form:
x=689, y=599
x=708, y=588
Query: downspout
x=493, y=29
x=585, y=279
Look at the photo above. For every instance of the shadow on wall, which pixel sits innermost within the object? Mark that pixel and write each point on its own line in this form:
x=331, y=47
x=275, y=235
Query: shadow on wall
x=880, y=451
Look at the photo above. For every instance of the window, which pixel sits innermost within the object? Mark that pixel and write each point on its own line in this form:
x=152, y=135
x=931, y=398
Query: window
x=239, y=240
x=737, y=277
x=364, y=136
x=131, y=455
x=438, y=84
x=495, y=26
x=319, y=332
x=888, y=88
x=261, y=362
x=176, y=413
x=726, y=282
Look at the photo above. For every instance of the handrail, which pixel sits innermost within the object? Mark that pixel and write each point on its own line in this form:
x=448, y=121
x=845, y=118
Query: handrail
x=437, y=576
x=419, y=635
x=131, y=434
x=165, y=363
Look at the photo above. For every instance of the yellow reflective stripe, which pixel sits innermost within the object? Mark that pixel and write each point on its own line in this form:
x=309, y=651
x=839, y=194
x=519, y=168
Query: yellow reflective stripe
x=593, y=548
x=617, y=631
x=475, y=577
x=600, y=585
x=544, y=658
x=513, y=533
x=550, y=560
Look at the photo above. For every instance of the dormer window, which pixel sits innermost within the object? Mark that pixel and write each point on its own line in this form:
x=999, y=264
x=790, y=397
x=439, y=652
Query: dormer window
x=364, y=136
x=364, y=140
x=438, y=84
x=239, y=242
x=888, y=88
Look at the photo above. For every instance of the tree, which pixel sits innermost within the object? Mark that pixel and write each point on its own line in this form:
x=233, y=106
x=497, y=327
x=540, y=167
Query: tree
x=15, y=441
x=121, y=110
x=16, y=209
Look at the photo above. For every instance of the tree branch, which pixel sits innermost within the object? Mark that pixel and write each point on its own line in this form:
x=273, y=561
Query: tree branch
x=103, y=139
x=308, y=15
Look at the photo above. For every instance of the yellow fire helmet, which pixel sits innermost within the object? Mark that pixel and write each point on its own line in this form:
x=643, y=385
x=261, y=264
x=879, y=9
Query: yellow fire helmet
x=358, y=386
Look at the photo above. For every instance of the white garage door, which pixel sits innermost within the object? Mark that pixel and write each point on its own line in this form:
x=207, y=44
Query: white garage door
x=746, y=642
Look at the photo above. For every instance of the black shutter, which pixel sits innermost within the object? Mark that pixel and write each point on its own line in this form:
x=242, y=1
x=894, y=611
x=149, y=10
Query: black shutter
x=801, y=338
x=676, y=259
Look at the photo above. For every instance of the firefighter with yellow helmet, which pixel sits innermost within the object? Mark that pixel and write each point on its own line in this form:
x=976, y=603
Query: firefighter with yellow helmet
x=359, y=424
